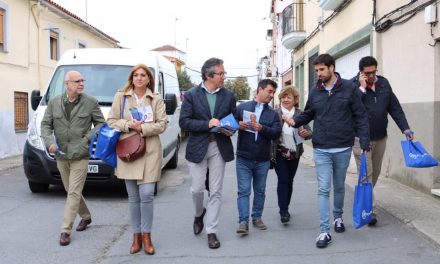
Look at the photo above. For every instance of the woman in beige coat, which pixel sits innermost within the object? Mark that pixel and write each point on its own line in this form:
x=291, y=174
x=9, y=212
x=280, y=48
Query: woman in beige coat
x=141, y=174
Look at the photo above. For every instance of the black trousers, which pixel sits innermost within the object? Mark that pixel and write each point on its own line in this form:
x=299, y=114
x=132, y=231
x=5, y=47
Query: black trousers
x=286, y=170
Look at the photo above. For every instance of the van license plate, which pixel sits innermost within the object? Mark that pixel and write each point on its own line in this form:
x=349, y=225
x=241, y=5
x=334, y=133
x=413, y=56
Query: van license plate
x=93, y=169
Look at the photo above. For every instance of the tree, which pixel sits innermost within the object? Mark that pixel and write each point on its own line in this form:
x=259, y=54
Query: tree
x=239, y=87
x=184, y=80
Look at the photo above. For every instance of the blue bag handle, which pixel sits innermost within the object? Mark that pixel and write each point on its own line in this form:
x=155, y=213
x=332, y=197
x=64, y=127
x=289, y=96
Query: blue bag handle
x=414, y=146
x=363, y=170
x=92, y=140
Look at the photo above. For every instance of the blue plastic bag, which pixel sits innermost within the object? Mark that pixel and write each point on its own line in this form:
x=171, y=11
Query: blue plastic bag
x=105, y=148
x=416, y=156
x=363, y=197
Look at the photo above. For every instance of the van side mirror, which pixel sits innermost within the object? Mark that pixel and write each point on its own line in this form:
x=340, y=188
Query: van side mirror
x=35, y=99
x=170, y=103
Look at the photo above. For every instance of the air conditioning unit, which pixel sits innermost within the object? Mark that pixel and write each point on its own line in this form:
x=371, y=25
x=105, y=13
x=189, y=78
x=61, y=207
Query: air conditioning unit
x=330, y=4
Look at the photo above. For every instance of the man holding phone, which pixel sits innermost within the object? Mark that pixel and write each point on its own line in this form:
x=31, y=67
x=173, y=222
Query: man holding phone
x=379, y=101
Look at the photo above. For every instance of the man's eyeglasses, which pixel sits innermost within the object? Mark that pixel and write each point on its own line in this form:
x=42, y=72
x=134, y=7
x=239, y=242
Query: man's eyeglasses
x=78, y=81
x=370, y=73
x=221, y=74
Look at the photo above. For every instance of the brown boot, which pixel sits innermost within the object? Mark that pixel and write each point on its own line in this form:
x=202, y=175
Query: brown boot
x=148, y=245
x=137, y=243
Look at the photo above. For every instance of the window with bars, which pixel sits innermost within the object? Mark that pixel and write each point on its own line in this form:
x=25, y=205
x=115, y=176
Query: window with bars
x=2, y=29
x=53, y=42
x=21, y=113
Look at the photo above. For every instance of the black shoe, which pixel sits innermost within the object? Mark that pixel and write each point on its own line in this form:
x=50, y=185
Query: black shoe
x=323, y=240
x=339, y=225
x=213, y=242
x=373, y=221
x=285, y=217
x=198, y=223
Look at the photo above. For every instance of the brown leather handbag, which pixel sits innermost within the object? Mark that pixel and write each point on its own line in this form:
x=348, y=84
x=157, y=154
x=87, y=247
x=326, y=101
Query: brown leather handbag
x=131, y=148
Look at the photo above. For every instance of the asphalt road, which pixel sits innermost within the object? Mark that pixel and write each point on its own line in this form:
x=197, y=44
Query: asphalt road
x=29, y=228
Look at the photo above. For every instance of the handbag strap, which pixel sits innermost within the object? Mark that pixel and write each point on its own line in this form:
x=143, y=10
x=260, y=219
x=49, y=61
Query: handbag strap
x=363, y=169
x=123, y=106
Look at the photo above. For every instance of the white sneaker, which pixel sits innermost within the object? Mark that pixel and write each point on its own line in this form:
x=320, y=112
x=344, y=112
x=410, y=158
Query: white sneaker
x=339, y=225
x=323, y=240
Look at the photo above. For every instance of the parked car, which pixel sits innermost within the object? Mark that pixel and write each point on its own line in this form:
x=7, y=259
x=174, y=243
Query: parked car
x=106, y=71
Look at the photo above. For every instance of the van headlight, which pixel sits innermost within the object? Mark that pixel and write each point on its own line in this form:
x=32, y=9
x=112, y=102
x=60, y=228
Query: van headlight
x=32, y=136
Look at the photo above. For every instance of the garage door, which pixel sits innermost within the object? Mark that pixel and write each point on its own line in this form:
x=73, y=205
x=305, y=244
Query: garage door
x=348, y=65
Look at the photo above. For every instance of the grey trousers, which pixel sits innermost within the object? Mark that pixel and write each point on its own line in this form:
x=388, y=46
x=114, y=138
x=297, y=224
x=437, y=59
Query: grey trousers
x=140, y=199
x=214, y=161
x=374, y=158
x=73, y=175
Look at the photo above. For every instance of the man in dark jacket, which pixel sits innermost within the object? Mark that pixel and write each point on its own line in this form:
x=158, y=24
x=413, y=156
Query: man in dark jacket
x=66, y=131
x=338, y=113
x=379, y=101
x=202, y=109
x=259, y=124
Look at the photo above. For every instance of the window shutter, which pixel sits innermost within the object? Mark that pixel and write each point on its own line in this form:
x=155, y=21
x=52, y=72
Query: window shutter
x=2, y=30
x=21, y=113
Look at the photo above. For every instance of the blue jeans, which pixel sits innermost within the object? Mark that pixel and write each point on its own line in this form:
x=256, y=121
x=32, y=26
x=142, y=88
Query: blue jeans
x=247, y=171
x=330, y=166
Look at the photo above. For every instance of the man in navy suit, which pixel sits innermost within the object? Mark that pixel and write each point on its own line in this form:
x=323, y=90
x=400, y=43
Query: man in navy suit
x=202, y=109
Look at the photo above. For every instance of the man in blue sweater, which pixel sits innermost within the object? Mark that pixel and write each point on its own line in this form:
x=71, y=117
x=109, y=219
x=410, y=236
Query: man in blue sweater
x=338, y=113
x=379, y=101
x=259, y=124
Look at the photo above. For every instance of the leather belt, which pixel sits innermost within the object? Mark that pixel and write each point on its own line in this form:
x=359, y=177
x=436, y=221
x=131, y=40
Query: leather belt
x=212, y=139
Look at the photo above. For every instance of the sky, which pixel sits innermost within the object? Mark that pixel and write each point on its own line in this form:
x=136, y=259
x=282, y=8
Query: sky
x=232, y=30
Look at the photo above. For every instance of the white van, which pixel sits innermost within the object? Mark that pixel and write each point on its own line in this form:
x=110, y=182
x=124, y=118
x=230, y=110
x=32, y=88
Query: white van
x=105, y=71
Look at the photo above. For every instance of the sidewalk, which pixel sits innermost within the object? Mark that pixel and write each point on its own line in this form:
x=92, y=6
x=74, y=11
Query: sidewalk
x=11, y=162
x=417, y=210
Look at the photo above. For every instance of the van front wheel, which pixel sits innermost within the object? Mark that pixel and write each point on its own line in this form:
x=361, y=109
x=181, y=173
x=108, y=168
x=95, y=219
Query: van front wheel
x=37, y=187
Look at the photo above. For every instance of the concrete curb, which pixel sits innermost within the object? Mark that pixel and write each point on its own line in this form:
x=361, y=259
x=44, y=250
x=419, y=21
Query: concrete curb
x=11, y=162
x=418, y=211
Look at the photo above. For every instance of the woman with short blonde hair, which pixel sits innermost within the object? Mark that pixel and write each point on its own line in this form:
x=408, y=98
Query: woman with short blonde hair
x=288, y=149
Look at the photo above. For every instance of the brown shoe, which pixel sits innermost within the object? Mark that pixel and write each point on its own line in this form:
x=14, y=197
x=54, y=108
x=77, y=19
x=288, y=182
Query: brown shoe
x=148, y=245
x=137, y=243
x=83, y=224
x=64, y=239
x=213, y=241
x=198, y=223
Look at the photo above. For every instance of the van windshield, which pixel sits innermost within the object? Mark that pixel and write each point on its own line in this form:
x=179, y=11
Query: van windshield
x=101, y=81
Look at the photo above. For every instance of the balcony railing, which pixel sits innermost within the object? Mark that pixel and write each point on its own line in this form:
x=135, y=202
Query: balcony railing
x=293, y=18
x=292, y=26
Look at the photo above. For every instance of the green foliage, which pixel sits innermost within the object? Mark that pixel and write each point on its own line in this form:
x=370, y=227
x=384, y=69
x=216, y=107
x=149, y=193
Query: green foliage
x=184, y=81
x=239, y=87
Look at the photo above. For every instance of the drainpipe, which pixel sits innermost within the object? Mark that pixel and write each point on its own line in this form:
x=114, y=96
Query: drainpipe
x=37, y=23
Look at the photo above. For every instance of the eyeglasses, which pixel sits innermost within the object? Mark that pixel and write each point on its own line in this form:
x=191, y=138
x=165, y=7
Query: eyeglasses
x=78, y=81
x=221, y=74
x=370, y=73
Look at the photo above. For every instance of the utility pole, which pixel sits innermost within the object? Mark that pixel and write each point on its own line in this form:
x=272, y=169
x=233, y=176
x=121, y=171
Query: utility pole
x=86, y=11
x=175, y=37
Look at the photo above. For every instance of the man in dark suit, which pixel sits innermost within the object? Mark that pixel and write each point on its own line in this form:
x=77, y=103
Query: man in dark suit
x=202, y=109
